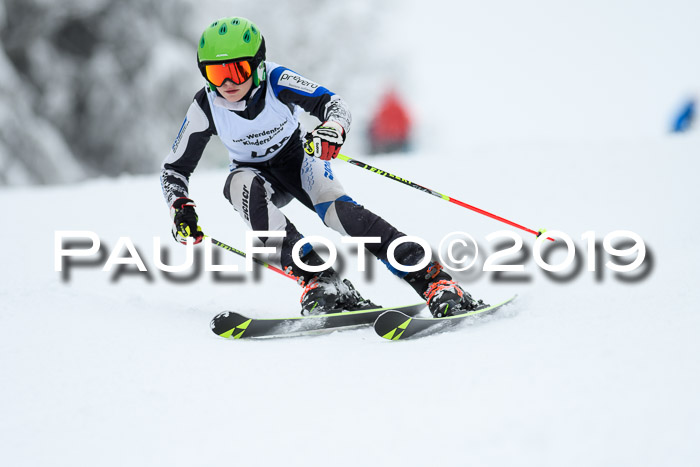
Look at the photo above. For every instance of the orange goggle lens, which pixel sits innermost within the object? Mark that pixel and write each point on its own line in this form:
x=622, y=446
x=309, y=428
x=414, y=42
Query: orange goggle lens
x=238, y=72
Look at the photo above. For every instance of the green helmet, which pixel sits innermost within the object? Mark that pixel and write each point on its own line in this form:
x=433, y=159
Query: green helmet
x=232, y=38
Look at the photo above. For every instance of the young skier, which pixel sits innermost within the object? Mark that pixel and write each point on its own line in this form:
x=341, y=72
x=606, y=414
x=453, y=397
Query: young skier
x=253, y=105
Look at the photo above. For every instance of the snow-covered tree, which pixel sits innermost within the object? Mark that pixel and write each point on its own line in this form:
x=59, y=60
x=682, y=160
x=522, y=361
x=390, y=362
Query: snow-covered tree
x=99, y=87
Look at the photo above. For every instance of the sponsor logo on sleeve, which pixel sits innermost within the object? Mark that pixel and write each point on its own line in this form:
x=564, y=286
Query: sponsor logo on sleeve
x=292, y=80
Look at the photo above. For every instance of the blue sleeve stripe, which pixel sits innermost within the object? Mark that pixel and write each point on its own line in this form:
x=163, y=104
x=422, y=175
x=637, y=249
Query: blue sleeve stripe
x=283, y=78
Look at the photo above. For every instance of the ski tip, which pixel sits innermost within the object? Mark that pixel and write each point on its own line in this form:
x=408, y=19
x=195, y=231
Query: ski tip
x=228, y=324
x=511, y=299
x=391, y=324
x=217, y=319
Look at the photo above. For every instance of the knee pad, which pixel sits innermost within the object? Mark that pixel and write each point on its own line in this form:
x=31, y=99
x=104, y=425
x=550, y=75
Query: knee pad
x=237, y=181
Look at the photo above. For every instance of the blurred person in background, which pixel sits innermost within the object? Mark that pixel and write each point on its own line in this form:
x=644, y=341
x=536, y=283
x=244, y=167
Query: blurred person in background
x=390, y=128
x=685, y=118
x=253, y=106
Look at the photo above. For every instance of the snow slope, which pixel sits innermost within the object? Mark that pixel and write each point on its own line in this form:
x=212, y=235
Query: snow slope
x=111, y=371
x=580, y=373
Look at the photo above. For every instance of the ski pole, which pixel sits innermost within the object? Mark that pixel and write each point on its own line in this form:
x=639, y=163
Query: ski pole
x=242, y=253
x=384, y=173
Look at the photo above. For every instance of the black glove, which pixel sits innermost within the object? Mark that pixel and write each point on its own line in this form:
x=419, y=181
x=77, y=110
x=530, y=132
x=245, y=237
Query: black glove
x=185, y=221
x=325, y=141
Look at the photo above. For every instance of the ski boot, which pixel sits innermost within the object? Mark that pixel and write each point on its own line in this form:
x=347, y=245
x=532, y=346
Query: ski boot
x=328, y=293
x=444, y=296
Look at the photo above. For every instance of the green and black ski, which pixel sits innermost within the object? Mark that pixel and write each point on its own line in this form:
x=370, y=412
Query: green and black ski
x=232, y=325
x=395, y=325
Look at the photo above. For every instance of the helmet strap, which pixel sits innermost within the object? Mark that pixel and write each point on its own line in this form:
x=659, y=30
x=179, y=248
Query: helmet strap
x=260, y=74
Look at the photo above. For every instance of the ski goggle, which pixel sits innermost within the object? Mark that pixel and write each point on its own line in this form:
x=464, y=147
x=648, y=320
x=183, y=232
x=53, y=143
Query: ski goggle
x=238, y=72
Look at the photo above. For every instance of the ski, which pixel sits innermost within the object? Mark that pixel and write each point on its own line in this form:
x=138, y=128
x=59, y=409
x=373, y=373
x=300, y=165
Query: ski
x=394, y=325
x=232, y=325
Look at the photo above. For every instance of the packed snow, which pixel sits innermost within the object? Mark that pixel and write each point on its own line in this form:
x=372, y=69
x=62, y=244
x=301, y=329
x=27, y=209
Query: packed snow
x=600, y=368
